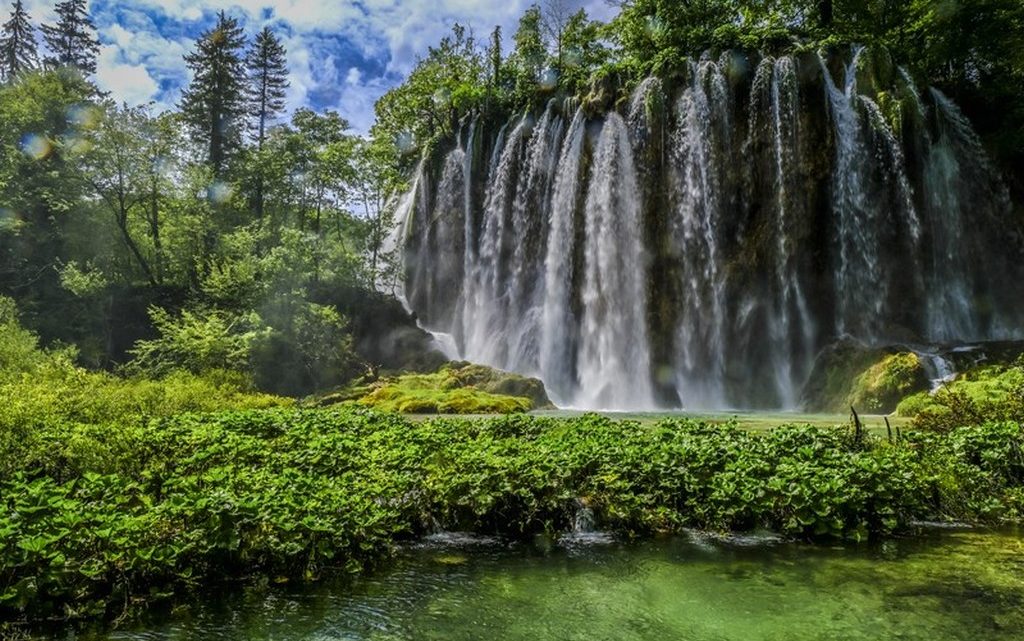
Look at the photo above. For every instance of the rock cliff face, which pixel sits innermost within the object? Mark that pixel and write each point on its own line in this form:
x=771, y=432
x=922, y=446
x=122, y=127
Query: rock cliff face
x=700, y=242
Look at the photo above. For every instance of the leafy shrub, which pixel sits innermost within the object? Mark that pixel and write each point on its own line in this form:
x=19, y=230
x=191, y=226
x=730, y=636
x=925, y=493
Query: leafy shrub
x=988, y=393
x=199, y=342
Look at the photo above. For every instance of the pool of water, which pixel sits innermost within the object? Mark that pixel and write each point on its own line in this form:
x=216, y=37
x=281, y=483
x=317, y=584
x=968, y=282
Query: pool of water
x=943, y=585
x=753, y=420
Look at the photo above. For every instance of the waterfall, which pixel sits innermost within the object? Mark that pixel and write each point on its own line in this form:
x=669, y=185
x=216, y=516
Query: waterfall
x=529, y=236
x=614, y=360
x=872, y=198
x=696, y=159
x=558, y=323
x=792, y=327
x=963, y=192
x=700, y=247
x=486, y=303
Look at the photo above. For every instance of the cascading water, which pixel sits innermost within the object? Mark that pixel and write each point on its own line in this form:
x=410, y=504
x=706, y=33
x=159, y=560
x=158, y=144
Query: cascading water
x=774, y=131
x=696, y=160
x=614, y=359
x=558, y=321
x=961, y=193
x=486, y=300
x=702, y=248
x=864, y=180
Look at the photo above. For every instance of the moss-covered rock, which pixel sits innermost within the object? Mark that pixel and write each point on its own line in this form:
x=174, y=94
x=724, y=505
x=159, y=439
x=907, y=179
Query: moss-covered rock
x=502, y=383
x=882, y=386
x=871, y=380
x=456, y=388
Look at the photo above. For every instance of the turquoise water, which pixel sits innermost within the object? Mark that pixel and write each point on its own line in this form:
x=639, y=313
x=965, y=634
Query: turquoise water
x=944, y=585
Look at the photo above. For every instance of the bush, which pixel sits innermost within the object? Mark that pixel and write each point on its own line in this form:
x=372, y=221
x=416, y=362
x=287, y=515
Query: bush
x=198, y=342
x=987, y=393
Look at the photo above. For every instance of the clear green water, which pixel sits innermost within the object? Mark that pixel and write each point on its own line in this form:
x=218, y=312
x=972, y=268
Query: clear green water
x=942, y=586
x=753, y=420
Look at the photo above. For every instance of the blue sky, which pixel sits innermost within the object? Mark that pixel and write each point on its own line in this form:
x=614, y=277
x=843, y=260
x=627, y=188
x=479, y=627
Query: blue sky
x=342, y=54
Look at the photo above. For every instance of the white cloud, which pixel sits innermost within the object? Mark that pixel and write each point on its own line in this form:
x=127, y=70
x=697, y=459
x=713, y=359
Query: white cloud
x=129, y=83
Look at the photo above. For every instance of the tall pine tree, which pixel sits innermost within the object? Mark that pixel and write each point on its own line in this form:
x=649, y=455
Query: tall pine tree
x=17, y=44
x=214, y=104
x=72, y=41
x=268, y=78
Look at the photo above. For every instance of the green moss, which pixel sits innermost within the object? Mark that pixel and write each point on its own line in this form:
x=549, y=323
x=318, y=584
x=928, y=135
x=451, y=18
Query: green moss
x=989, y=390
x=880, y=388
x=990, y=383
x=870, y=380
x=457, y=388
x=915, y=404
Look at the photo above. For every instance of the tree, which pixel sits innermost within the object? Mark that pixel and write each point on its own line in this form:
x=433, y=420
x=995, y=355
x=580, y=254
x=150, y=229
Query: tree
x=268, y=78
x=373, y=179
x=449, y=82
x=117, y=170
x=72, y=41
x=582, y=51
x=17, y=43
x=214, y=105
x=555, y=17
x=529, y=55
x=323, y=152
x=494, y=57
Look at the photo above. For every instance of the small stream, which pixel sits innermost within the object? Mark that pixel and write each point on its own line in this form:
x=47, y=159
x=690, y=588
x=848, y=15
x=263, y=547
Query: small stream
x=947, y=584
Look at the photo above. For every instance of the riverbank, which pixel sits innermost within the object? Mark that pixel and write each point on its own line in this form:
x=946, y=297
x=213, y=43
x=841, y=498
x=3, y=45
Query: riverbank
x=104, y=520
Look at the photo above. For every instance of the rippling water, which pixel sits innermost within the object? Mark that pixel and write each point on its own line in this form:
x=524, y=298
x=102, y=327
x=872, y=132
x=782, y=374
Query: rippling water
x=944, y=585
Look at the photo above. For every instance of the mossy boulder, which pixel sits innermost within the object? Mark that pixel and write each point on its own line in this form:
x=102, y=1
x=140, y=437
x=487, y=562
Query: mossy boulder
x=881, y=387
x=871, y=380
x=456, y=388
x=496, y=381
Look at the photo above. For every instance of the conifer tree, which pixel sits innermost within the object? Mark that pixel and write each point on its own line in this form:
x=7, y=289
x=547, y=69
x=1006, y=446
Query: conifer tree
x=268, y=79
x=214, y=104
x=17, y=43
x=72, y=41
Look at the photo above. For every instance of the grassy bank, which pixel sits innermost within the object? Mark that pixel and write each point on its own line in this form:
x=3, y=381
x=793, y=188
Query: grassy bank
x=106, y=517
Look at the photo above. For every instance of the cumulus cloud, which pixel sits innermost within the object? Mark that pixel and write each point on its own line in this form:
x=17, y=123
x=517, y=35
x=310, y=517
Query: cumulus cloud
x=125, y=82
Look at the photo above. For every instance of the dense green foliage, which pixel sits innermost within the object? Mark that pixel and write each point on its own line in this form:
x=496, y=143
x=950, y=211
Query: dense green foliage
x=120, y=236
x=145, y=509
x=982, y=393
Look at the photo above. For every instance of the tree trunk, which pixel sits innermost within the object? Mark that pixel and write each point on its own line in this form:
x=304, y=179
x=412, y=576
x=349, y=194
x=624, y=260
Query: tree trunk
x=122, y=223
x=154, y=233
